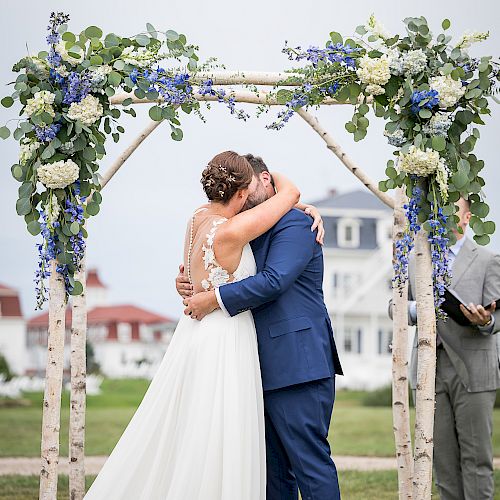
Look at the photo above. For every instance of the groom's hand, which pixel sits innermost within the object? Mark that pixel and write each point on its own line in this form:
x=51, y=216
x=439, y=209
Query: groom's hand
x=201, y=304
x=184, y=288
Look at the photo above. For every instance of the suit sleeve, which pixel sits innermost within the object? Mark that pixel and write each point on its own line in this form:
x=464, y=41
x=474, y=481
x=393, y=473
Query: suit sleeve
x=291, y=249
x=491, y=292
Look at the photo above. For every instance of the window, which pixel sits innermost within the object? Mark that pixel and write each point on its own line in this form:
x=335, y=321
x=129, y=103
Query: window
x=348, y=233
x=124, y=332
x=348, y=339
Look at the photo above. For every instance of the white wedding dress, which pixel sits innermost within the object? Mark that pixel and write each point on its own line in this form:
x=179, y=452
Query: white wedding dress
x=198, y=433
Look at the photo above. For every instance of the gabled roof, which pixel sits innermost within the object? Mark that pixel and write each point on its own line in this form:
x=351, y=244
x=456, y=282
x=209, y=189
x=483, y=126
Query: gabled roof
x=107, y=314
x=358, y=199
x=10, y=305
x=93, y=279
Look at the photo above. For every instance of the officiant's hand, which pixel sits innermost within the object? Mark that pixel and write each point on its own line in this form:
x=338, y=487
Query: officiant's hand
x=201, y=304
x=478, y=315
x=184, y=288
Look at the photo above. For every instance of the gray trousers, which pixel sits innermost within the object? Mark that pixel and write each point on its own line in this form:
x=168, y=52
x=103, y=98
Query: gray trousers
x=463, y=451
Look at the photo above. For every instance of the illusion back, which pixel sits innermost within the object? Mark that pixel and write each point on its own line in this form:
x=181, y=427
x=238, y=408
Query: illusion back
x=200, y=262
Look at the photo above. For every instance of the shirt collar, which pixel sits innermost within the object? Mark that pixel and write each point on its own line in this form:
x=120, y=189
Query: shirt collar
x=458, y=245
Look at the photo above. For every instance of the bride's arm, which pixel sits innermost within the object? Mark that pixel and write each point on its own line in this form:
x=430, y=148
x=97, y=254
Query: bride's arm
x=248, y=225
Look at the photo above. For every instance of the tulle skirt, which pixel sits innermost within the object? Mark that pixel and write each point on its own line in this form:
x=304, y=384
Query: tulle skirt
x=198, y=433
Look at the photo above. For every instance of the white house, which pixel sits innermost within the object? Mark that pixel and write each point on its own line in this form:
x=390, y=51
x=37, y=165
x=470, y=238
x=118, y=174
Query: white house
x=12, y=330
x=357, y=285
x=128, y=340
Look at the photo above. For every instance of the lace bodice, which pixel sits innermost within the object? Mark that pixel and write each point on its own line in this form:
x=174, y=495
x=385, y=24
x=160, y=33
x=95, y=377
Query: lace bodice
x=202, y=268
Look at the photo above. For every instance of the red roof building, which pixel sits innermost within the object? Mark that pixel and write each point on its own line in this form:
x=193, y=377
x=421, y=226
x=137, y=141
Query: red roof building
x=10, y=305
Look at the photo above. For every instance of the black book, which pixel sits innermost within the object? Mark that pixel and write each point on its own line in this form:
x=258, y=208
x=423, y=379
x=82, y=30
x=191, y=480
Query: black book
x=451, y=306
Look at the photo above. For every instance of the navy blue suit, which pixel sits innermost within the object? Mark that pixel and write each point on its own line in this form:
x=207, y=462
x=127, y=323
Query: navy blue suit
x=298, y=357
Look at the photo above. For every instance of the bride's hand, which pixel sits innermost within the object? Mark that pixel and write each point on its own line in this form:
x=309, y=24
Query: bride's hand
x=184, y=288
x=312, y=211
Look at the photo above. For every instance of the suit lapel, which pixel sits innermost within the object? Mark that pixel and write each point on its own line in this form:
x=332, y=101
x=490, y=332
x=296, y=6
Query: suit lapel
x=463, y=261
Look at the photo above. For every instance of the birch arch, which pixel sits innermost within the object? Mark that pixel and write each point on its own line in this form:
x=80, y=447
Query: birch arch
x=402, y=78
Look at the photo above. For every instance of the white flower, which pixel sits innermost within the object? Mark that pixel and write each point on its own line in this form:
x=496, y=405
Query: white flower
x=218, y=276
x=98, y=75
x=60, y=48
x=58, y=174
x=374, y=27
x=439, y=124
x=52, y=209
x=374, y=70
x=374, y=89
x=140, y=57
x=28, y=148
x=205, y=284
x=414, y=62
x=395, y=62
x=468, y=38
x=418, y=162
x=397, y=138
x=449, y=90
x=442, y=174
x=88, y=110
x=39, y=103
x=62, y=71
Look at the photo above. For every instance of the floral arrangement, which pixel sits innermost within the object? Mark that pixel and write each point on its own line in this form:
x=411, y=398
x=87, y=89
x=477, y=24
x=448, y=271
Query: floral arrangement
x=433, y=95
x=64, y=96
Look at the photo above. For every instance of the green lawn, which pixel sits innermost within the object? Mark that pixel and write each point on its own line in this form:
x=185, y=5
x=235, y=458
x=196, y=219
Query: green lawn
x=355, y=430
x=380, y=485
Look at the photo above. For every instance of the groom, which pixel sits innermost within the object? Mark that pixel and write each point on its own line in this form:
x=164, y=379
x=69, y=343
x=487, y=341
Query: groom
x=297, y=352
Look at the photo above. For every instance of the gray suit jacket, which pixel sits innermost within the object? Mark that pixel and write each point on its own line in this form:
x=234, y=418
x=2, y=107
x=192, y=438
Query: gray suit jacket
x=476, y=278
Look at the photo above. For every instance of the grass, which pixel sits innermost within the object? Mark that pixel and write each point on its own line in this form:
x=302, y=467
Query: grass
x=355, y=430
x=354, y=485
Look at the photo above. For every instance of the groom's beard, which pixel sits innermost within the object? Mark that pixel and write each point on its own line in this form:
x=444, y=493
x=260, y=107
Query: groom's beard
x=255, y=199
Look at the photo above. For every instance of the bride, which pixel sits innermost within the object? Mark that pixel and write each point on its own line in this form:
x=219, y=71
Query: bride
x=198, y=433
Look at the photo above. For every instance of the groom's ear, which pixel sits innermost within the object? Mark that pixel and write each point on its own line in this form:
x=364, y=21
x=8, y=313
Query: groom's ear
x=266, y=178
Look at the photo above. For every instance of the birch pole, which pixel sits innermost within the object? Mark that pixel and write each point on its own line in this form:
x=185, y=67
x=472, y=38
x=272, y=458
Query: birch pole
x=400, y=396
x=335, y=148
x=426, y=369
x=51, y=414
x=78, y=355
x=78, y=390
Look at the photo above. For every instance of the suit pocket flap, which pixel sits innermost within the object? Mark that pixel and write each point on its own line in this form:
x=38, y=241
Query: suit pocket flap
x=289, y=325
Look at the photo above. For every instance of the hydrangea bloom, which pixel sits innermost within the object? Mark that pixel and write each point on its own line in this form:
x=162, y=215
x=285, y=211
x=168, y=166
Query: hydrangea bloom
x=27, y=150
x=88, y=110
x=423, y=99
x=439, y=124
x=450, y=91
x=374, y=89
x=374, y=70
x=418, y=162
x=414, y=62
x=396, y=139
x=58, y=174
x=41, y=102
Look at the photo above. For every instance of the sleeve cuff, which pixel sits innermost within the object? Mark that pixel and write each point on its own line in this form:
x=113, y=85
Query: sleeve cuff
x=487, y=330
x=221, y=304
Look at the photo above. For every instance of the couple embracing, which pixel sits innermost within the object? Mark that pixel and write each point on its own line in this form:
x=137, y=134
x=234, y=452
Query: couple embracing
x=240, y=406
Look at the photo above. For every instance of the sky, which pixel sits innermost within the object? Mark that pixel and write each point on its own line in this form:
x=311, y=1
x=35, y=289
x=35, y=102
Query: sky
x=136, y=240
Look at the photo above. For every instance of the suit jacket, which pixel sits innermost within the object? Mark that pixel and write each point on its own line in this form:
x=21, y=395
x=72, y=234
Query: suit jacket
x=294, y=332
x=476, y=278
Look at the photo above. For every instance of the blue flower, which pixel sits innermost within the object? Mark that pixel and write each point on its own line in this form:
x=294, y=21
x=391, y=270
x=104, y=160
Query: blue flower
x=48, y=132
x=424, y=99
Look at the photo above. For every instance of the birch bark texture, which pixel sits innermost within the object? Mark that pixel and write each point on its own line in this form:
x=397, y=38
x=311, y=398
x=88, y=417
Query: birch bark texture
x=400, y=392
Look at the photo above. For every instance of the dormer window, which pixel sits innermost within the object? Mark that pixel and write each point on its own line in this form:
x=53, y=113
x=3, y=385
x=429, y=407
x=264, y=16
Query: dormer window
x=348, y=233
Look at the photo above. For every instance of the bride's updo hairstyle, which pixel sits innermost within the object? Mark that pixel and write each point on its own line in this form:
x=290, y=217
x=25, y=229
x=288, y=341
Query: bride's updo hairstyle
x=225, y=174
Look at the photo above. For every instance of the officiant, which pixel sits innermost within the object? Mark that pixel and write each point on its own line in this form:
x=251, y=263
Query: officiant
x=467, y=370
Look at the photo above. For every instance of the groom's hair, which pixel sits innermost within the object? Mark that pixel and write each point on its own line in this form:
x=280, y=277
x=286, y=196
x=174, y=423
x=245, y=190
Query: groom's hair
x=257, y=163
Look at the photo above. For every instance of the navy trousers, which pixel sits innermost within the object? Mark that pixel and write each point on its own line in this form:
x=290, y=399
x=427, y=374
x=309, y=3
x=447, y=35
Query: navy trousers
x=298, y=454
